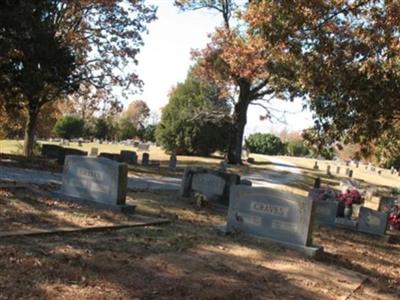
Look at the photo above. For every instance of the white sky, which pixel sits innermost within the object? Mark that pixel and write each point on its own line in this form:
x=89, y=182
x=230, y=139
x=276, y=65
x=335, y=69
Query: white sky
x=165, y=59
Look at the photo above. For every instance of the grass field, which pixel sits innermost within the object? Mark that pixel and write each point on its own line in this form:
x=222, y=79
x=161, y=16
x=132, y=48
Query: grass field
x=305, y=164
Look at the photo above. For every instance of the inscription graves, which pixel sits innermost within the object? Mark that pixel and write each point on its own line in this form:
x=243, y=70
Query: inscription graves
x=372, y=222
x=211, y=183
x=273, y=215
x=95, y=179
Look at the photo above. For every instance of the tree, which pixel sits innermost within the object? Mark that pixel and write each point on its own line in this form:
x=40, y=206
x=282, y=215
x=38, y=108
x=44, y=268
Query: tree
x=265, y=143
x=69, y=127
x=38, y=67
x=344, y=59
x=148, y=133
x=193, y=121
x=233, y=60
x=59, y=48
x=126, y=129
x=137, y=113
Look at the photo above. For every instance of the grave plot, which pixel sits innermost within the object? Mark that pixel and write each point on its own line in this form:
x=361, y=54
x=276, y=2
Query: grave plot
x=188, y=259
x=29, y=210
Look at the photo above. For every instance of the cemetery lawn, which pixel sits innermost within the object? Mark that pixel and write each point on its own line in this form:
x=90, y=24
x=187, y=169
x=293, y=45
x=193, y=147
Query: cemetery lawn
x=186, y=259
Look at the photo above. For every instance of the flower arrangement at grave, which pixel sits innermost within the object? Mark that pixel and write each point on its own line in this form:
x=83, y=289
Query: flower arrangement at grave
x=350, y=197
x=394, y=217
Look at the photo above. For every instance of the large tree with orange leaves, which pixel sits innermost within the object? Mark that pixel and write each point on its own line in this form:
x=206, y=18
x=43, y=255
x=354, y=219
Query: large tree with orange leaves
x=54, y=48
x=342, y=56
x=233, y=60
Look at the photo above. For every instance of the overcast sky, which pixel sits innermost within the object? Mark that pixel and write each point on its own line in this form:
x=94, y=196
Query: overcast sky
x=165, y=59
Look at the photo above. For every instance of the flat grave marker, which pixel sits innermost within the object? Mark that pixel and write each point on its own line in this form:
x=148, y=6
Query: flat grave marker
x=372, y=222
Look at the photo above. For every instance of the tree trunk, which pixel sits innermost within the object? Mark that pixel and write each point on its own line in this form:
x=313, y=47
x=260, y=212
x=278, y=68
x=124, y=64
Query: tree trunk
x=30, y=127
x=239, y=120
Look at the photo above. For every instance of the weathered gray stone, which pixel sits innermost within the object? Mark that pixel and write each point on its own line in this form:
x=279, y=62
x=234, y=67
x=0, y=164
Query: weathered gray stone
x=94, y=151
x=111, y=156
x=53, y=152
x=328, y=170
x=316, y=166
x=350, y=173
x=386, y=203
x=145, y=159
x=326, y=212
x=337, y=170
x=273, y=215
x=96, y=179
x=172, y=162
x=213, y=184
x=129, y=157
x=372, y=222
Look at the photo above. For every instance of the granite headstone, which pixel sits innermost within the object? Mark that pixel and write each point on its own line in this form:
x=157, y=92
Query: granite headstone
x=277, y=216
x=372, y=222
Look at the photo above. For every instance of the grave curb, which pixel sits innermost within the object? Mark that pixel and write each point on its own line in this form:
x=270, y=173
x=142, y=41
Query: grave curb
x=309, y=251
x=124, y=208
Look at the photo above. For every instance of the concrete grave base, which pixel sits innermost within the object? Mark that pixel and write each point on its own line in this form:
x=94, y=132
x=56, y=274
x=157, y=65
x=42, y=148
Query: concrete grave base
x=309, y=251
x=123, y=208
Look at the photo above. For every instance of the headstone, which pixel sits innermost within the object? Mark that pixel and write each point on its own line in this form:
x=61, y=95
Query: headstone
x=129, y=157
x=350, y=173
x=111, y=156
x=211, y=183
x=371, y=221
x=95, y=179
x=277, y=216
x=347, y=171
x=71, y=151
x=143, y=147
x=357, y=164
x=53, y=152
x=371, y=201
x=347, y=163
x=337, y=170
x=145, y=159
x=326, y=212
x=251, y=160
x=172, y=162
x=246, y=182
x=316, y=166
x=392, y=169
x=79, y=143
x=94, y=151
x=386, y=203
x=328, y=170
x=317, y=183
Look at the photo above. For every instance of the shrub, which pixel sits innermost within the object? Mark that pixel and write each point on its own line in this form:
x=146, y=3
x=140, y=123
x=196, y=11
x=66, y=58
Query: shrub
x=296, y=148
x=69, y=127
x=195, y=121
x=265, y=143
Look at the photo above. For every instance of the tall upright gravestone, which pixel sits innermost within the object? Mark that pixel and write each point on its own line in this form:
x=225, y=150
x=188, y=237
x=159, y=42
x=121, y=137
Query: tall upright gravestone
x=273, y=215
x=96, y=179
